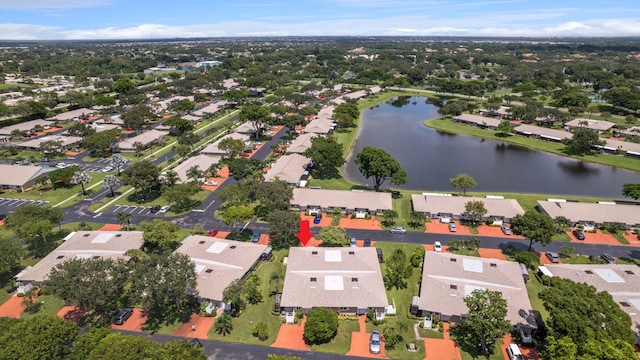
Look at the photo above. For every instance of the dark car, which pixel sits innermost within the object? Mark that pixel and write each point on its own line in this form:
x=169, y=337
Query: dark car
x=155, y=208
x=318, y=218
x=608, y=258
x=3, y=216
x=122, y=316
x=578, y=234
x=367, y=242
x=195, y=342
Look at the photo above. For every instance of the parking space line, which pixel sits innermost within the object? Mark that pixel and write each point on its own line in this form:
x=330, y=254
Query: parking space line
x=141, y=210
x=116, y=209
x=133, y=208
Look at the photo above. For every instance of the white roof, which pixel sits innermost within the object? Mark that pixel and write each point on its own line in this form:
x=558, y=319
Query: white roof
x=203, y=162
x=145, y=139
x=288, y=168
x=455, y=205
x=347, y=199
x=213, y=149
x=301, y=143
x=589, y=212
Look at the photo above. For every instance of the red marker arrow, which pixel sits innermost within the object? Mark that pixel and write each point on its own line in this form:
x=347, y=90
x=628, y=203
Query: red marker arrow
x=304, y=234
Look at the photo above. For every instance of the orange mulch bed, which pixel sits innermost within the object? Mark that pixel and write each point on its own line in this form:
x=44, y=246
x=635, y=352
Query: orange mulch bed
x=438, y=349
x=73, y=153
x=12, y=308
x=134, y=323
x=325, y=221
x=223, y=234
x=291, y=337
x=360, y=342
x=492, y=254
x=221, y=176
x=443, y=228
x=110, y=227
x=371, y=224
x=203, y=324
x=73, y=313
x=596, y=238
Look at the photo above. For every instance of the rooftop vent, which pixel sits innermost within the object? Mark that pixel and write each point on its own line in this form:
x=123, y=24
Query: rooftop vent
x=493, y=265
x=589, y=272
x=232, y=247
x=354, y=279
x=314, y=253
x=453, y=260
x=625, y=304
x=209, y=271
x=352, y=252
x=201, y=242
x=86, y=235
x=118, y=235
x=629, y=272
x=453, y=287
x=60, y=257
x=314, y=279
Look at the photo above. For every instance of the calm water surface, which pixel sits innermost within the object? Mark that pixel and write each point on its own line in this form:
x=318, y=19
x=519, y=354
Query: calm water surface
x=430, y=158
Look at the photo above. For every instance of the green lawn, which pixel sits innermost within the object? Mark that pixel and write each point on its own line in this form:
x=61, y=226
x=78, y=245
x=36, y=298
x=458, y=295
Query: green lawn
x=534, y=287
x=50, y=305
x=169, y=329
x=262, y=312
x=402, y=298
x=448, y=125
x=496, y=355
x=342, y=342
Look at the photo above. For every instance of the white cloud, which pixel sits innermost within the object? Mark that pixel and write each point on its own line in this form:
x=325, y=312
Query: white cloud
x=51, y=4
x=353, y=26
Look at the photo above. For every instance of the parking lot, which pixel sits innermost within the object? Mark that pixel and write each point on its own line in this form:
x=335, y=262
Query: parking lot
x=134, y=210
x=9, y=205
x=95, y=166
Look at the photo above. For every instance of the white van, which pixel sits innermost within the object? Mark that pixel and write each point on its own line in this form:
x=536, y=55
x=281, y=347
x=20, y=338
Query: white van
x=514, y=352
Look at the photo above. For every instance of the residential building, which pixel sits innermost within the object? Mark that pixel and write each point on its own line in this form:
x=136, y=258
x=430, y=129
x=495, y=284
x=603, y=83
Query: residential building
x=147, y=139
x=453, y=207
x=542, y=132
x=598, y=126
x=26, y=127
x=219, y=262
x=203, y=162
x=479, y=121
x=75, y=115
x=448, y=278
x=359, y=202
x=213, y=149
x=348, y=280
x=64, y=141
x=595, y=214
x=301, y=143
x=211, y=108
x=290, y=168
x=81, y=245
x=20, y=178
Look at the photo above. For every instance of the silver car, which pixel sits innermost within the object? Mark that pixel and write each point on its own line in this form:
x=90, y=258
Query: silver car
x=398, y=230
x=374, y=343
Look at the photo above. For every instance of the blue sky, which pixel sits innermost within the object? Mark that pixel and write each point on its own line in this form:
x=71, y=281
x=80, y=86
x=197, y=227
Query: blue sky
x=140, y=19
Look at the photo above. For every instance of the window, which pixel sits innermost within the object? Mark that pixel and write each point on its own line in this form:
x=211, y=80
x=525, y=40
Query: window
x=313, y=279
x=354, y=279
x=453, y=259
x=589, y=272
x=209, y=271
x=453, y=287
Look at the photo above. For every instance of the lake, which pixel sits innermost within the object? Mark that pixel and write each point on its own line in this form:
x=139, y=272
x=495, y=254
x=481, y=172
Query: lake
x=431, y=157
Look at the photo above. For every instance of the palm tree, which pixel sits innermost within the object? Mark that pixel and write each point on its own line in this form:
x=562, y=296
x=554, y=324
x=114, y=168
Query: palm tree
x=82, y=178
x=110, y=181
x=194, y=173
x=224, y=324
x=124, y=219
x=276, y=277
x=170, y=178
x=118, y=161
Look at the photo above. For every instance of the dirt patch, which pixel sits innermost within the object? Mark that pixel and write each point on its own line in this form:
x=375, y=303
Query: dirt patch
x=134, y=323
x=202, y=326
x=366, y=224
x=596, y=238
x=111, y=227
x=291, y=337
x=491, y=254
x=12, y=308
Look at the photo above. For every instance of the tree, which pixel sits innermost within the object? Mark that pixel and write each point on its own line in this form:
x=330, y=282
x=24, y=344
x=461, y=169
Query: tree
x=194, y=173
x=252, y=289
x=284, y=226
x=109, y=182
x=118, y=161
x=242, y=168
x=261, y=331
x=189, y=139
x=182, y=150
x=10, y=255
x=563, y=348
x=181, y=194
x=181, y=106
x=462, y=181
x=37, y=236
x=485, y=322
x=534, y=226
x=282, y=357
x=82, y=178
x=378, y=164
x=30, y=213
x=144, y=176
x=124, y=219
x=505, y=127
x=397, y=270
x=562, y=224
x=137, y=116
x=389, y=217
x=126, y=347
x=475, y=209
x=276, y=277
x=321, y=325
x=333, y=236
x=236, y=215
x=161, y=284
x=138, y=147
x=101, y=141
x=631, y=190
x=326, y=153
x=182, y=349
x=123, y=85
x=257, y=115
x=272, y=195
x=85, y=343
x=231, y=146
x=234, y=194
x=45, y=336
x=81, y=130
x=223, y=325
x=416, y=219
x=346, y=114
x=582, y=142
x=159, y=236
x=94, y=285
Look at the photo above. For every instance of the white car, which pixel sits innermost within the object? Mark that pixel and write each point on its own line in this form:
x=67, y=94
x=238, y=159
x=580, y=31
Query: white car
x=107, y=169
x=164, y=209
x=211, y=183
x=437, y=247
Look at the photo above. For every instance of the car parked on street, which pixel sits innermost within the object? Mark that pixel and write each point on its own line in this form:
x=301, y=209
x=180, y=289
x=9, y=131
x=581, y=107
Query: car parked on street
x=452, y=227
x=608, y=258
x=578, y=234
x=398, y=230
x=553, y=257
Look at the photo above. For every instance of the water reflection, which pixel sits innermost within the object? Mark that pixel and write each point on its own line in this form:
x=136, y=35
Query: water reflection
x=431, y=157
